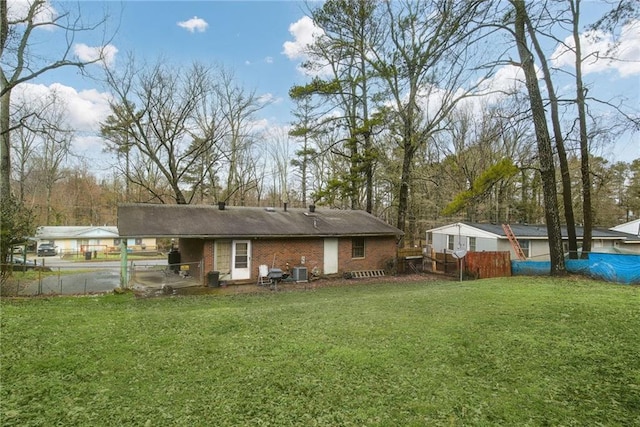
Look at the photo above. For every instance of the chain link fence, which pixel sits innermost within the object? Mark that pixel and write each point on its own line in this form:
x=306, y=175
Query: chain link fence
x=38, y=280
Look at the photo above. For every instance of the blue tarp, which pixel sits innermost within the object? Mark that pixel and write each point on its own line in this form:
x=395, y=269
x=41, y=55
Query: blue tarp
x=530, y=268
x=619, y=268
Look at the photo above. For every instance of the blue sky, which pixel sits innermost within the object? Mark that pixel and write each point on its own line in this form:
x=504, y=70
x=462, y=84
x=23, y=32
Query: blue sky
x=246, y=36
x=249, y=37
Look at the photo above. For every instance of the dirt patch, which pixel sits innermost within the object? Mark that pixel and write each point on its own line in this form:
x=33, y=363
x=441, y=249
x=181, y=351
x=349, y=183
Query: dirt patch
x=293, y=286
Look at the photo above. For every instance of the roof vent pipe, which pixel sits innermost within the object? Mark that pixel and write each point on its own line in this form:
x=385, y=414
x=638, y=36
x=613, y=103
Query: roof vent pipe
x=312, y=208
x=221, y=205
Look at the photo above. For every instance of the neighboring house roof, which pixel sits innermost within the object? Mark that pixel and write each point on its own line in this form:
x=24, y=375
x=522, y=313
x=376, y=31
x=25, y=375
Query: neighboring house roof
x=156, y=220
x=522, y=231
x=632, y=228
x=76, y=232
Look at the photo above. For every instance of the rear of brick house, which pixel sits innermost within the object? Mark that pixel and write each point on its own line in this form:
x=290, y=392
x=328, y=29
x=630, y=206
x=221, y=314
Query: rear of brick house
x=235, y=241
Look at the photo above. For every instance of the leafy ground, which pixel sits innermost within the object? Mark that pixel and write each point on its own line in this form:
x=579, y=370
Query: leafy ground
x=516, y=351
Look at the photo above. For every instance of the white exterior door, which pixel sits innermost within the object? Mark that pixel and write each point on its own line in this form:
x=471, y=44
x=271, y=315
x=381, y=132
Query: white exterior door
x=241, y=260
x=330, y=256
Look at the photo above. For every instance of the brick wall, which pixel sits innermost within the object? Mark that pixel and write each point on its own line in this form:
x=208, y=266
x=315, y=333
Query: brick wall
x=191, y=251
x=207, y=255
x=308, y=252
x=378, y=252
x=278, y=252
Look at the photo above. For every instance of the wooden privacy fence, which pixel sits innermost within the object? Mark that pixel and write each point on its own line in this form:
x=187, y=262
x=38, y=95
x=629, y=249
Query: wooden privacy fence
x=410, y=260
x=483, y=265
x=478, y=265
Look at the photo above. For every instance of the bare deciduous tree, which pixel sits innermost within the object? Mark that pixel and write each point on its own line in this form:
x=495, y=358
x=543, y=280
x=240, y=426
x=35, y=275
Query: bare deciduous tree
x=424, y=63
x=154, y=113
x=20, y=62
x=238, y=107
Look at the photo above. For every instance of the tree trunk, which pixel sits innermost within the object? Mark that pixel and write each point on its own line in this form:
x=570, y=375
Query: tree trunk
x=567, y=196
x=545, y=153
x=405, y=178
x=5, y=146
x=584, y=138
x=368, y=143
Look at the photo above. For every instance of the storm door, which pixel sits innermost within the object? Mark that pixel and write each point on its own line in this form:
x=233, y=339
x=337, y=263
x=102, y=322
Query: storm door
x=241, y=256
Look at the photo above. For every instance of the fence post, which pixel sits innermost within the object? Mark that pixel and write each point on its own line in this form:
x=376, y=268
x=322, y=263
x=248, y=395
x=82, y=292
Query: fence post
x=444, y=261
x=124, y=279
x=434, y=262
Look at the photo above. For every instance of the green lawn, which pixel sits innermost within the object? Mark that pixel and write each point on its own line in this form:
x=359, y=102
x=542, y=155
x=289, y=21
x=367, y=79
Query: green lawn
x=513, y=352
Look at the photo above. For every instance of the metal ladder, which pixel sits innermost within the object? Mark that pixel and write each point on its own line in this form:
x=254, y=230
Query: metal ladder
x=514, y=242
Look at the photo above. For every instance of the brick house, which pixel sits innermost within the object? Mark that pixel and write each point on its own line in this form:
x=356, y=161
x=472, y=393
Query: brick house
x=235, y=240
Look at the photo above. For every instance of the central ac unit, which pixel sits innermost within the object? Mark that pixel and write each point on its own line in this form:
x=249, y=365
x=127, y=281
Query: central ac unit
x=299, y=274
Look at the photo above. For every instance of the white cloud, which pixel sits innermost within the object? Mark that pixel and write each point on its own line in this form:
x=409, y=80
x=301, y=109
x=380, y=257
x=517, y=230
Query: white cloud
x=269, y=98
x=268, y=60
x=85, y=109
x=506, y=80
x=602, y=53
x=45, y=12
x=194, y=24
x=105, y=55
x=304, y=32
x=90, y=146
x=258, y=125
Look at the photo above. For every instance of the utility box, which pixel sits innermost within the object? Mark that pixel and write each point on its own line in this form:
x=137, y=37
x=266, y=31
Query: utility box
x=213, y=278
x=299, y=274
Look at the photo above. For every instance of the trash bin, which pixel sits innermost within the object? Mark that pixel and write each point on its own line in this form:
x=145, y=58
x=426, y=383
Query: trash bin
x=174, y=260
x=87, y=255
x=213, y=279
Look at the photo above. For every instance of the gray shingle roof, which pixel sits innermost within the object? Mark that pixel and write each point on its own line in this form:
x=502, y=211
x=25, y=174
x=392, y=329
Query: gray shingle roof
x=523, y=231
x=156, y=220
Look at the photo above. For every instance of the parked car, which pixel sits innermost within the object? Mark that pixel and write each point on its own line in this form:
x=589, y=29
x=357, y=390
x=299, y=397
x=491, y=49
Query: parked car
x=46, y=249
x=21, y=264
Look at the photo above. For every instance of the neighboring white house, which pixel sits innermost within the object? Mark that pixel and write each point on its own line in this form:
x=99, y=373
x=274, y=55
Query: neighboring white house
x=478, y=237
x=79, y=239
x=633, y=229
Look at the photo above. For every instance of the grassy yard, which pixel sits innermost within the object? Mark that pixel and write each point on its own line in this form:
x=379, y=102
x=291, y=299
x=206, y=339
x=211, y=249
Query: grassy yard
x=517, y=351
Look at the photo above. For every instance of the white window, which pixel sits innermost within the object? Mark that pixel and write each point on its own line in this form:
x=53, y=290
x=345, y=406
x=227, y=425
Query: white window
x=357, y=247
x=525, y=245
x=450, y=242
x=471, y=244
